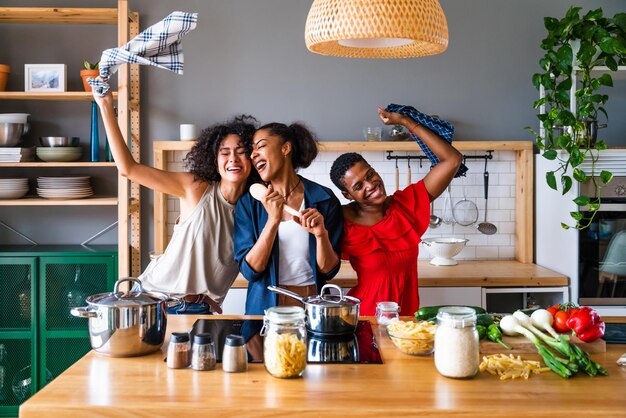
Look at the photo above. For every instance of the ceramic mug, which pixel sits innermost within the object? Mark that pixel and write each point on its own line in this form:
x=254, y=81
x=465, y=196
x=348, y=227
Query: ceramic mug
x=188, y=132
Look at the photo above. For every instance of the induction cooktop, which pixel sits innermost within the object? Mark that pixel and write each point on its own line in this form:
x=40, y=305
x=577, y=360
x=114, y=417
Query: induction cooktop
x=357, y=348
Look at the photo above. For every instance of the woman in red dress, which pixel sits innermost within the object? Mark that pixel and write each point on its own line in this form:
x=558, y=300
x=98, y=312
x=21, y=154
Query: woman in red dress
x=381, y=233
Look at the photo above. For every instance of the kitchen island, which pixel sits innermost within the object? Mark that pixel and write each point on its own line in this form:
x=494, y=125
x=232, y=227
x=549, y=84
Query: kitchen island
x=99, y=386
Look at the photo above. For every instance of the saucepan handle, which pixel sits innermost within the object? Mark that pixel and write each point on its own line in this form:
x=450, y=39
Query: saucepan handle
x=332, y=286
x=84, y=312
x=286, y=292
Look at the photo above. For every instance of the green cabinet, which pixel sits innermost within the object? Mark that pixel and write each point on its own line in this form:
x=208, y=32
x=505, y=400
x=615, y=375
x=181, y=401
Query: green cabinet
x=39, y=338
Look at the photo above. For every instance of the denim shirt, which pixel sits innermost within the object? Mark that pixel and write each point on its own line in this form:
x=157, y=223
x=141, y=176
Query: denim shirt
x=251, y=217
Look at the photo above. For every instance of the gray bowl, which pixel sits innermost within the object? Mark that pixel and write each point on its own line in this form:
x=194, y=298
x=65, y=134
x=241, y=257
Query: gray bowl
x=59, y=141
x=11, y=133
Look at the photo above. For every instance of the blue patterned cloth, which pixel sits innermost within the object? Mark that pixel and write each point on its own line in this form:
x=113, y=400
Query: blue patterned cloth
x=159, y=46
x=442, y=128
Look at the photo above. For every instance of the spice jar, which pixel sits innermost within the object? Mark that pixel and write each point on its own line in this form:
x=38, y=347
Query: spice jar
x=203, y=352
x=387, y=312
x=234, y=356
x=284, y=346
x=178, y=351
x=456, y=342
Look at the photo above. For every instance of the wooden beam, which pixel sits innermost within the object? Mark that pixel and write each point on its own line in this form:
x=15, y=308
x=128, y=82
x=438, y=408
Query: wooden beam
x=59, y=15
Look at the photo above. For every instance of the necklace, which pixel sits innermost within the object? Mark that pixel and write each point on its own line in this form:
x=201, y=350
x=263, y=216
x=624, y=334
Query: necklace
x=286, y=196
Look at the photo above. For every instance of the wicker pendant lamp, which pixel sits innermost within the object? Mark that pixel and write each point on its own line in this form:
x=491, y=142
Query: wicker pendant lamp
x=376, y=28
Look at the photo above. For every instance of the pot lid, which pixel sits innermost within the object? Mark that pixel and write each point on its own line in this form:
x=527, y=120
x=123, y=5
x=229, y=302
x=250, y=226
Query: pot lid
x=332, y=300
x=131, y=298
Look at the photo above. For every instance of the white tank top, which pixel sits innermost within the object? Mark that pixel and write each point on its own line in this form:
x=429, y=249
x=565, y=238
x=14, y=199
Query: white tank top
x=294, y=262
x=200, y=255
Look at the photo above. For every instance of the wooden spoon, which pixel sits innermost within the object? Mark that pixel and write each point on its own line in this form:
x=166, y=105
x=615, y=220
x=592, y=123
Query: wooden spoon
x=259, y=191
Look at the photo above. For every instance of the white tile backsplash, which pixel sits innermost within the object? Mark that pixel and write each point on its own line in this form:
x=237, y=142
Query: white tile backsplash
x=501, y=201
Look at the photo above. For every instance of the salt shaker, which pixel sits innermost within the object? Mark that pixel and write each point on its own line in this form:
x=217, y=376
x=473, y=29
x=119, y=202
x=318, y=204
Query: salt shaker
x=203, y=352
x=178, y=351
x=234, y=356
x=387, y=312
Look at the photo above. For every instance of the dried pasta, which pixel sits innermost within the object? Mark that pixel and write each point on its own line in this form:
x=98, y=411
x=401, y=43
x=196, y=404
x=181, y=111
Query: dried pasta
x=285, y=355
x=510, y=367
x=412, y=337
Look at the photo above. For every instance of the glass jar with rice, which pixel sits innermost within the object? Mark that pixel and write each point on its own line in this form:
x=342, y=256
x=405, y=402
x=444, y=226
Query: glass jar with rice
x=284, y=345
x=456, y=342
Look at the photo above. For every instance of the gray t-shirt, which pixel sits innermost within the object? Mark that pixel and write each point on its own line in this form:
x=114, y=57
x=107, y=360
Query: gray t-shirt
x=199, y=257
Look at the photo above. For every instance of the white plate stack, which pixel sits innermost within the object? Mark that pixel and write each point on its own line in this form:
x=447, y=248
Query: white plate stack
x=16, y=154
x=64, y=187
x=13, y=188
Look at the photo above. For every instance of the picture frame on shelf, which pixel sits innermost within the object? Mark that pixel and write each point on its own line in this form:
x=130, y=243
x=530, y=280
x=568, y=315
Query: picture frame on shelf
x=47, y=78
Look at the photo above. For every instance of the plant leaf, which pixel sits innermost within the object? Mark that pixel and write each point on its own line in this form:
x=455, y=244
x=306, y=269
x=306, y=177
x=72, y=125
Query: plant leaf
x=576, y=215
x=549, y=155
x=606, y=176
x=564, y=226
x=566, y=183
x=551, y=180
x=594, y=206
x=579, y=175
x=606, y=80
x=582, y=200
x=601, y=145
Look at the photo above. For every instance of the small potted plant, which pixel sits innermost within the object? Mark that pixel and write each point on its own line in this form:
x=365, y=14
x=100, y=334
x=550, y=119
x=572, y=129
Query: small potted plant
x=89, y=71
x=574, y=47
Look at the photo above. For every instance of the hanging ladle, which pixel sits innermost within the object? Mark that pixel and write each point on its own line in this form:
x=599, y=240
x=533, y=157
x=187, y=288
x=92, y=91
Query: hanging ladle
x=435, y=220
x=485, y=227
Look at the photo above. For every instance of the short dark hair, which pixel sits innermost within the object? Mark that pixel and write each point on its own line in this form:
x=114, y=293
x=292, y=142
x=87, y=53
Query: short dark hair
x=302, y=140
x=201, y=161
x=342, y=164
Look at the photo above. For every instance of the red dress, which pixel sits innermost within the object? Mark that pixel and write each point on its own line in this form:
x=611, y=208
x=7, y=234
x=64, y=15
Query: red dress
x=384, y=255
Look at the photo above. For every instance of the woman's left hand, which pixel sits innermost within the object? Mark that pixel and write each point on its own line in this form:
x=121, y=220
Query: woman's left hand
x=392, y=118
x=313, y=221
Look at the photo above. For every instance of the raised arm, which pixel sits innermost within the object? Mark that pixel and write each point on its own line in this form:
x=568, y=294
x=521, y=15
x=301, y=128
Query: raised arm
x=440, y=176
x=177, y=184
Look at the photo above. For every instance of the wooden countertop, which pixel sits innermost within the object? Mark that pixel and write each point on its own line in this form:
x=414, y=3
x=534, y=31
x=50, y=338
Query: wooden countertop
x=99, y=386
x=471, y=273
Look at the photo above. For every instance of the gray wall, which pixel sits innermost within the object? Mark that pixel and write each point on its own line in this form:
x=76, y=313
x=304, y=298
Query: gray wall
x=249, y=56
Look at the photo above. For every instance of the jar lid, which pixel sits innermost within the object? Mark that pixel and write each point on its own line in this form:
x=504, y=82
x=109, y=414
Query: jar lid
x=179, y=337
x=456, y=316
x=284, y=314
x=387, y=306
x=234, y=340
x=202, y=338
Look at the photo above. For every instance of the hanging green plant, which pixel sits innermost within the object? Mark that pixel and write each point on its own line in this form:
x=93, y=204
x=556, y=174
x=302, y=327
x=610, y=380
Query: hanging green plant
x=575, y=46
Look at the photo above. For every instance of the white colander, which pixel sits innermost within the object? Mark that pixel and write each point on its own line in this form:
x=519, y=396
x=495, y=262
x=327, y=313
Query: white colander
x=443, y=249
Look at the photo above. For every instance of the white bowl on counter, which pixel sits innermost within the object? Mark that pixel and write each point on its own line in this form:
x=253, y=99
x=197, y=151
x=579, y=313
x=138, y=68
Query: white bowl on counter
x=443, y=250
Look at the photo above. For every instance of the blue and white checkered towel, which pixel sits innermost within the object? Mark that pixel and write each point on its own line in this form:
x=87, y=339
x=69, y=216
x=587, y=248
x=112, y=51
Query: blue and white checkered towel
x=440, y=127
x=159, y=46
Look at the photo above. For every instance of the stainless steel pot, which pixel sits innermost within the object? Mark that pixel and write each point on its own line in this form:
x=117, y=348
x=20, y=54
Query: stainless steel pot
x=327, y=314
x=126, y=324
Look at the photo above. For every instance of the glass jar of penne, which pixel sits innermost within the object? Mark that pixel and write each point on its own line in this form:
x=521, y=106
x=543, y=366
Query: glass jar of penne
x=284, y=345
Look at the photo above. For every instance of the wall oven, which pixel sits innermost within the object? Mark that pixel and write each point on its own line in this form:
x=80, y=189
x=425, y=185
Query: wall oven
x=602, y=248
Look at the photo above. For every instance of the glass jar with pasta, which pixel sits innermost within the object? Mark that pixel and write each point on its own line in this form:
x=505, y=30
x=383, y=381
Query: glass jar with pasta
x=284, y=345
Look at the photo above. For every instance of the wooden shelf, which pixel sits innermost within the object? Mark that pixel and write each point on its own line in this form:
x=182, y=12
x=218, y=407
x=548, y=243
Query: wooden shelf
x=38, y=201
x=58, y=15
x=361, y=146
x=67, y=96
x=51, y=165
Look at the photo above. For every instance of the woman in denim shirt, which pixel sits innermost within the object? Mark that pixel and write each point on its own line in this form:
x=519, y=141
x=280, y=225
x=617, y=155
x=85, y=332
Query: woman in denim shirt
x=273, y=247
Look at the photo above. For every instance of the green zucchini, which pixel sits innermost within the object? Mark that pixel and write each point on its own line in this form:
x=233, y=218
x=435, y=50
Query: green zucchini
x=429, y=313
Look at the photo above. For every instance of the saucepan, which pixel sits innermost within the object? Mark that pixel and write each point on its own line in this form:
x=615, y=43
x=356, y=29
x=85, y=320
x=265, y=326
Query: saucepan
x=327, y=314
x=127, y=324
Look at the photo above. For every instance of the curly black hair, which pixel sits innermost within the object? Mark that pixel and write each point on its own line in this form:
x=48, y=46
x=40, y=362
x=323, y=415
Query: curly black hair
x=201, y=161
x=342, y=164
x=302, y=140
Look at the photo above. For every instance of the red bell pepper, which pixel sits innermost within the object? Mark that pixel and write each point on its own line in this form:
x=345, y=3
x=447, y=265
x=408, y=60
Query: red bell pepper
x=586, y=324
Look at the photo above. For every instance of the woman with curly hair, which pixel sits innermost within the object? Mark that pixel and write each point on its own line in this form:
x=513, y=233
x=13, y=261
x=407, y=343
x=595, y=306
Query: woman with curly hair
x=198, y=263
